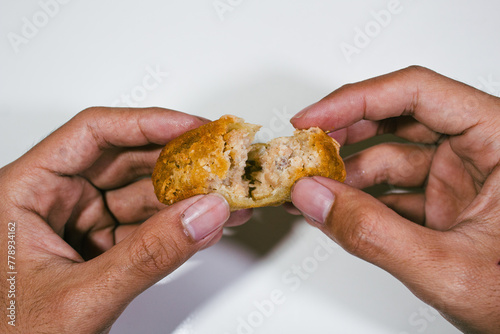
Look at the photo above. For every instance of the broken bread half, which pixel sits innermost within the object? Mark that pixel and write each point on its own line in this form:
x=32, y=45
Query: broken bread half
x=220, y=157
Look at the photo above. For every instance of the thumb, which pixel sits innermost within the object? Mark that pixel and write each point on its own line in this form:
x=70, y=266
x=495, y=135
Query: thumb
x=155, y=249
x=364, y=226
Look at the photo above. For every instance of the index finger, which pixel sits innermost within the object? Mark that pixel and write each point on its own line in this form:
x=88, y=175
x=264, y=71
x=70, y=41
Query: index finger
x=76, y=145
x=441, y=104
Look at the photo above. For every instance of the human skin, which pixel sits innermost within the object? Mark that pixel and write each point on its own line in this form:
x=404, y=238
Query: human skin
x=90, y=233
x=443, y=243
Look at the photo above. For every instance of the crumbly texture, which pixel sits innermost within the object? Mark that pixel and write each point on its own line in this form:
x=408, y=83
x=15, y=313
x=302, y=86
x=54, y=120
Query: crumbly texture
x=220, y=157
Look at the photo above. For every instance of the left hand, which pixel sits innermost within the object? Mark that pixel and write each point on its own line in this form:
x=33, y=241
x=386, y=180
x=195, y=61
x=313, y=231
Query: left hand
x=90, y=233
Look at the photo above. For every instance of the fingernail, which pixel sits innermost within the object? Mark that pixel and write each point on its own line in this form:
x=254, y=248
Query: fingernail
x=312, y=199
x=302, y=112
x=205, y=216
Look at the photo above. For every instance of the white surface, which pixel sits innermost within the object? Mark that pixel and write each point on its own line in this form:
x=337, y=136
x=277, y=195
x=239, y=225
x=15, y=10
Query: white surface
x=264, y=61
x=165, y=305
x=317, y=288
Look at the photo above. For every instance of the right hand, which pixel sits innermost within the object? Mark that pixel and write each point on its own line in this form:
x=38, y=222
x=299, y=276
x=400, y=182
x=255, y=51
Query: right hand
x=452, y=261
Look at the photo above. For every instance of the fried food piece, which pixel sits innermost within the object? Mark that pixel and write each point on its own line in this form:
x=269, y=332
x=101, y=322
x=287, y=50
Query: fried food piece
x=220, y=157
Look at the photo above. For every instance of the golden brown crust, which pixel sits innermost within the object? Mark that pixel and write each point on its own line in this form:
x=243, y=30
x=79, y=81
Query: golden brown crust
x=332, y=165
x=179, y=173
x=192, y=163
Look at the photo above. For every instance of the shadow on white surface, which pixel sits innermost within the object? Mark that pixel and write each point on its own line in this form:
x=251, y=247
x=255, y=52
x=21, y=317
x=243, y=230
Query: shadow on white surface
x=166, y=304
x=310, y=285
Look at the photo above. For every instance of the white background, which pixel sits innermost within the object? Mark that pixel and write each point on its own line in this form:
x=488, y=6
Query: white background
x=264, y=61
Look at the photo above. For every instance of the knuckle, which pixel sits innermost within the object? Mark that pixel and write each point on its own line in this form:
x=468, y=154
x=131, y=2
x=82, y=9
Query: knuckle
x=89, y=113
x=92, y=117
x=419, y=74
x=359, y=238
x=156, y=254
x=87, y=119
x=383, y=155
x=346, y=86
x=418, y=70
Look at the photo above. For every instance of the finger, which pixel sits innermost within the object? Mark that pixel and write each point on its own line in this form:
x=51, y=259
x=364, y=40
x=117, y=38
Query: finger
x=155, y=249
x=97, y=129
x=133, y=203
x=403, y=165
x=123, y=231
x=239, y=217
x=367, y=228
x=137, y=202
x=235, y=219
x=410, y=206
x=91, y=229
x=214, y=240
x=430, y=98
x=97, y=241
x=450, y=188
x=434, y=265
x=404, y=127
x=291, y=209
x=441, y=104
x=119, y=167
x=90, y=215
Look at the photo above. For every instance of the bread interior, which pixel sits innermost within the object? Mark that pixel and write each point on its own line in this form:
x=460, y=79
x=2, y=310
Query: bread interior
x=260, y=171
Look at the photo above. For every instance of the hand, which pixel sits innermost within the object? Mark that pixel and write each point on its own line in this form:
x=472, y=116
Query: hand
x=90, y=233
x=450, y=259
